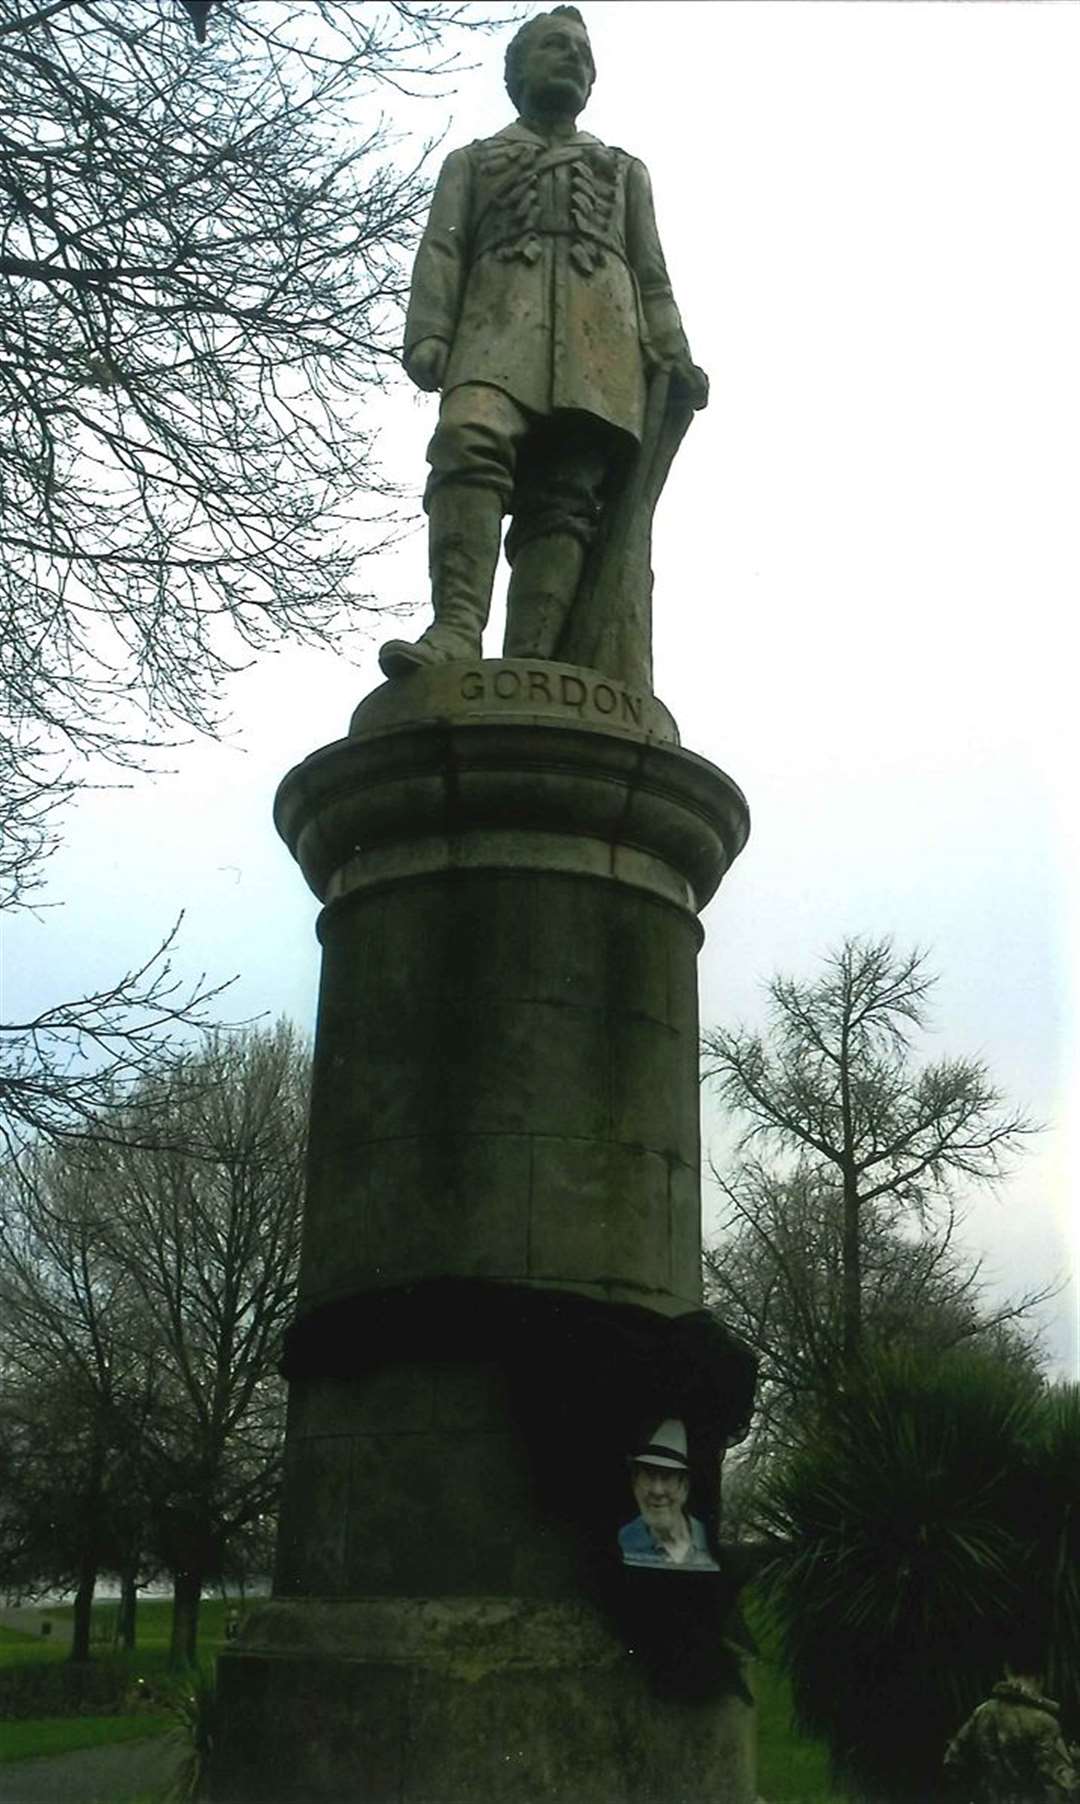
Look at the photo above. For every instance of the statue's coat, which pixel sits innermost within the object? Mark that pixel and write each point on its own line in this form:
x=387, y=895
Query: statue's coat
x=541, y=268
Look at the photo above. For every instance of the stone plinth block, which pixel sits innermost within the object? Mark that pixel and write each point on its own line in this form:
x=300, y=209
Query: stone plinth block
x=501, y=1254
x=464, y=1701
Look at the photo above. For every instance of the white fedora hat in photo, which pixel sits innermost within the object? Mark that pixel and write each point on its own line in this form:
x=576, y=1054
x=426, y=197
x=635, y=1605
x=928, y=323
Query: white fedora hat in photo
x=666, y=1446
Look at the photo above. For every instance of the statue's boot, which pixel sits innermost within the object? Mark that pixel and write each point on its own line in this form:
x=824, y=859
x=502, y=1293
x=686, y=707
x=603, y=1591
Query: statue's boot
x=543, y=584
x=464, y=535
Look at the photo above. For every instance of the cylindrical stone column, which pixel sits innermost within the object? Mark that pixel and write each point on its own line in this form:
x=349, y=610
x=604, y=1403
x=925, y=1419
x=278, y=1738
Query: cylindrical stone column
x=512, y=858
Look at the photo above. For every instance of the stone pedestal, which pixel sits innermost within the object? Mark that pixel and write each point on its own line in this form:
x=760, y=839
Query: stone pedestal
x=504, y=1175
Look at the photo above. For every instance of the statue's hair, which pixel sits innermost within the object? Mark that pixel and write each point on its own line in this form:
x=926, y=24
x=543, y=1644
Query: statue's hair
x=518, y=49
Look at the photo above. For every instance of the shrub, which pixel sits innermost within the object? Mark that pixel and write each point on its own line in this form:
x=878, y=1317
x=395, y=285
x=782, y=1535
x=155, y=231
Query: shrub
x=899, y=1571
x=59, y=1688
x=194, y=1706
x=1056, y=1542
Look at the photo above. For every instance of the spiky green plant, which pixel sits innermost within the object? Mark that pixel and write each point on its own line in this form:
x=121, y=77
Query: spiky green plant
x=899, y=1570
x=194, y=1705
x=1056, y=1534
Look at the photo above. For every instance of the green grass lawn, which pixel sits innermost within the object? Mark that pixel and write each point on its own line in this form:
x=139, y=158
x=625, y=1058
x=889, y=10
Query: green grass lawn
x=153, y=1627
x=23, y=1738
x=20, y=1649
x=791, y=1768
x=61, y=1734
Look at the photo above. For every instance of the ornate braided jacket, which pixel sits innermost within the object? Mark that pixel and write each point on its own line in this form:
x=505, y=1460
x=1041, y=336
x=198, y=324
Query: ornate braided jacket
x=541, y=267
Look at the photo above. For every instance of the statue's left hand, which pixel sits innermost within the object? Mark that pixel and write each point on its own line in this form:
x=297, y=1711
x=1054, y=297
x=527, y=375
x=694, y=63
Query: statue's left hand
x=425, y=363
x=690, y=383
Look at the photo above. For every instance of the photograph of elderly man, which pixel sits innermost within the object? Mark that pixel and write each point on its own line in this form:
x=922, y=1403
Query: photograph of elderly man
x=664, y=1534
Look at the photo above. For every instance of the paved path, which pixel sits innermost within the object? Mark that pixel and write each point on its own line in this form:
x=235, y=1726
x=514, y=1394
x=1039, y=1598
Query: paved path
x=110, y=1775
x=114, y=1775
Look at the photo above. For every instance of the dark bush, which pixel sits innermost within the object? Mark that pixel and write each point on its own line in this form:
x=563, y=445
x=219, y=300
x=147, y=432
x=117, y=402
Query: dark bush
x=59, y=1688
x=1055, y=1558
x=903, y=1561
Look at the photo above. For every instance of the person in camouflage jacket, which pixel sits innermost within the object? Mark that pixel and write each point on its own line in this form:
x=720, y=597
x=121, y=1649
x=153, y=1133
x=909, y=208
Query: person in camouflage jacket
x=1011, y=1750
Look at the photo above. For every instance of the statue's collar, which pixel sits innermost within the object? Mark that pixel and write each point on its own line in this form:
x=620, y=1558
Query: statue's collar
x=521, y=130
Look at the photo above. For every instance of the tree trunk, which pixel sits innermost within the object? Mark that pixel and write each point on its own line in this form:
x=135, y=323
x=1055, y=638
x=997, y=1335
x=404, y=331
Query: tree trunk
x=125, y=1628
x=84, y=1602
x=187, y=1591
x=851, y=1240
x=91, y=1506
x=851, y=1292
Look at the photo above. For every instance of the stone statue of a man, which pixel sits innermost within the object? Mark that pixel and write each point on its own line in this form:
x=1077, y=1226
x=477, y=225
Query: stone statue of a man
x=542, y=309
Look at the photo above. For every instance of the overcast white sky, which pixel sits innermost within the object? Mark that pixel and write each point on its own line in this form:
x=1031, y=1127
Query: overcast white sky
x=866, y=561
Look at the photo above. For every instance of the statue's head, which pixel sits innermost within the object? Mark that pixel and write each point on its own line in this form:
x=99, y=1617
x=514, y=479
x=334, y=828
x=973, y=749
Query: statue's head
x=549, y=64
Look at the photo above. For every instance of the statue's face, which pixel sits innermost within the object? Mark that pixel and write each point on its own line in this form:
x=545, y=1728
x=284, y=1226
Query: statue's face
x=558, y=70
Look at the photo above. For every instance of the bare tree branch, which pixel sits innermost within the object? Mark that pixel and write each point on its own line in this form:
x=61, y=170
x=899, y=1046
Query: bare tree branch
x=200, y=285
x=69, y=1071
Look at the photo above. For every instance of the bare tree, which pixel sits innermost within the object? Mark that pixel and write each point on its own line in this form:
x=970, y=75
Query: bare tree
x=775, y=1274
x=145, y=1284
x=205, y=1225
x=834, y=1086
x=199, y=278
x=200, y=234
x=77, y=1386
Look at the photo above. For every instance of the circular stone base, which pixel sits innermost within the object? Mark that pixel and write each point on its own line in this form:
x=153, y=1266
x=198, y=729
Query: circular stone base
x=468, y=767
x=462, y=1701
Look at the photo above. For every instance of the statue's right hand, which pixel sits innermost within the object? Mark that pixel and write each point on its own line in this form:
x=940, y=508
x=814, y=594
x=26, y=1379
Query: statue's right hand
x=426, y=363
